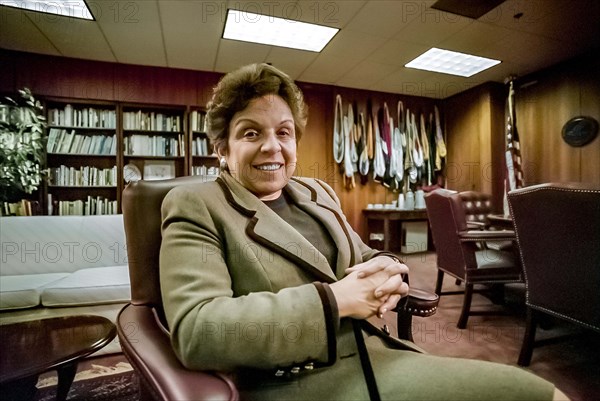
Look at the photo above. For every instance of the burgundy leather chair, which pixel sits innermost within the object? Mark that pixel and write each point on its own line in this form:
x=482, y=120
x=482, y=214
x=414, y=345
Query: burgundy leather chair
x=558, y=236
x=459, y=255
x=477, y=206
x=141, y=326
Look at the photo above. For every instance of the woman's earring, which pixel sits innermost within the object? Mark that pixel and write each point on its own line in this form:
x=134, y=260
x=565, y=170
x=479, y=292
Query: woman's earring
x=223, y=164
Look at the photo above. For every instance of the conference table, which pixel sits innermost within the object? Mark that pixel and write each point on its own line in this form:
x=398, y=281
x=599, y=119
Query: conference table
x=385, y=226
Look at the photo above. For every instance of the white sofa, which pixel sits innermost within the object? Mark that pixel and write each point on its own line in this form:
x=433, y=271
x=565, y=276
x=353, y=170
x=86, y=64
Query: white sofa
x=63, y=265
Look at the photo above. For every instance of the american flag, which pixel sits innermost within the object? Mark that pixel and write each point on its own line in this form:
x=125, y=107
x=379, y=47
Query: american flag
x=514, y=171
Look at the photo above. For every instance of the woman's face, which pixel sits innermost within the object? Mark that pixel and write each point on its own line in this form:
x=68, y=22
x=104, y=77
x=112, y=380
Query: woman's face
x=261, y=146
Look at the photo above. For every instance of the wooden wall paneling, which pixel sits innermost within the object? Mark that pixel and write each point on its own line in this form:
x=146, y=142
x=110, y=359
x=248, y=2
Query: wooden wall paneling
x=156, y=85
x=206, y=81
x=464, y=125
x=542, y=110
x=590, y=106
x=8, y=73
x=65, y=77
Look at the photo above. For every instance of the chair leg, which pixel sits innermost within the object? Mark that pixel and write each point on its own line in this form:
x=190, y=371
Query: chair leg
x=404, y=324
x=464, y=314
x=528, y=338
x=439, y=282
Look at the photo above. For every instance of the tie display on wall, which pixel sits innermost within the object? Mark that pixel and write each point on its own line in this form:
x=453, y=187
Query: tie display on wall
x=391, y=148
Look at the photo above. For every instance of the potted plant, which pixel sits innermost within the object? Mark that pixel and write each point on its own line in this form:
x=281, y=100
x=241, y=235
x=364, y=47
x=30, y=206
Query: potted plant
x=22, y=146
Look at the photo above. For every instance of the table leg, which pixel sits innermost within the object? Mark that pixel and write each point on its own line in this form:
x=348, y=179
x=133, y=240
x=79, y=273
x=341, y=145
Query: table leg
x=66, y=374
x=386, y=234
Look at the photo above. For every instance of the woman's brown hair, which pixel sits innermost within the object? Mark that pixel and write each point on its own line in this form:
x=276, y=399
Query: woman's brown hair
x=236, y=89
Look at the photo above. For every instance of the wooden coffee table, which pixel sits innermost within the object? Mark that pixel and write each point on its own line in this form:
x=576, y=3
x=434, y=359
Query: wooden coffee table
x=28, y=349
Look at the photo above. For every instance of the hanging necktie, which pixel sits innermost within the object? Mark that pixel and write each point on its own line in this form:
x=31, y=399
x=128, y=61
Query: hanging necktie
x=338, y=134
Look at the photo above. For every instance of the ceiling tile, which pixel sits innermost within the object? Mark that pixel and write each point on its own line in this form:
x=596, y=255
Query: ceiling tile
x=292, y=61
x=431, y=27
x=18, y=32
x=365, y=74
x=352, y=46
x=133, y=29
x=326, y=69
x=474, y=37
x=384, y=18
x=336, y=14
x=397, y=52
x=233, y=54
x=191, y=33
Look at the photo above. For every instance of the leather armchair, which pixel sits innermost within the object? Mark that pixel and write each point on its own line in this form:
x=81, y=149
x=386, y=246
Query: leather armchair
x=558, y=236
x=141, y=326
x=477, y=206
x=459, y=255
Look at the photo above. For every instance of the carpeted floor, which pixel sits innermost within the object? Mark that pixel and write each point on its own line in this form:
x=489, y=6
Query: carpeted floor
x=572, y=365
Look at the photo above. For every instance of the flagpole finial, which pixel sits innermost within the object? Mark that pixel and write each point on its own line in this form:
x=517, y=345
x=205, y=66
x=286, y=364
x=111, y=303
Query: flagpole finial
x=509, y=79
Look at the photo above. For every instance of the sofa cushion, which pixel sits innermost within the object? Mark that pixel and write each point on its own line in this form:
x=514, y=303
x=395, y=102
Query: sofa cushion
x=60, y=244
x=23, y=291
x=99, y=285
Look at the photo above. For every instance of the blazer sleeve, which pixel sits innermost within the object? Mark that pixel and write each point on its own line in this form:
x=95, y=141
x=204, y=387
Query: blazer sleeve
x=213, y=328
x=366, y=251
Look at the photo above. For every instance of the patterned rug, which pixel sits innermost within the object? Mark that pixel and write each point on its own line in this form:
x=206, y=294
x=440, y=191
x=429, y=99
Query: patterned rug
x=100, y=383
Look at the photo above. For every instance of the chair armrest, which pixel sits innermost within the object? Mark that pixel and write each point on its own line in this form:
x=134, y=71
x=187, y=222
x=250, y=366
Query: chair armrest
x=421, y=303
x=476, y=225
x=149, y=350
x=481, y=235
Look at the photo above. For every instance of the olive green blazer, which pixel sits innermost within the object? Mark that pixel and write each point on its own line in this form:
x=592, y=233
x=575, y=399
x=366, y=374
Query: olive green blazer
x=243, y=291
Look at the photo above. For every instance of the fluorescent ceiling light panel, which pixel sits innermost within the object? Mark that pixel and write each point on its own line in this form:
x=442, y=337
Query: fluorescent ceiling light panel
x=269, y=30
x=449, y=62
x=66, y=8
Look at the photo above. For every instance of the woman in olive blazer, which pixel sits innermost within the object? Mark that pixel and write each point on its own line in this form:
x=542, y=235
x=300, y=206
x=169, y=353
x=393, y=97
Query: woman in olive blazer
x=245, y=292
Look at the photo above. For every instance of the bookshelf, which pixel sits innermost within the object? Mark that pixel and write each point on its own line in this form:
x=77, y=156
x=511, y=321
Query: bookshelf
x=154, y=141
x=82, y=158
x=95, y=148
x=203, y=160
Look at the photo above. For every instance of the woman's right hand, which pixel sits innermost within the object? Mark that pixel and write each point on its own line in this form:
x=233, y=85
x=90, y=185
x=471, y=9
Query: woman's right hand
x=355, y=296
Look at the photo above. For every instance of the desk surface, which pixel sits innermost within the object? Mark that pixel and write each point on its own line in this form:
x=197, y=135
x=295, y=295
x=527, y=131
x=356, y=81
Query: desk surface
x=33, y=347
x=395, y=214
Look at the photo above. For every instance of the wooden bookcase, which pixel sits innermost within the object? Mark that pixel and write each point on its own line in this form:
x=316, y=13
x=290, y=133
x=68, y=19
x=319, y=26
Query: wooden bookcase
x=82, y=159
x=202, y=160
x=154, y=140
x=96, y=147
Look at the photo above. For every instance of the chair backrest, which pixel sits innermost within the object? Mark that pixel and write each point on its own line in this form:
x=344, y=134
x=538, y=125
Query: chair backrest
x=141, y=203
x=558, y=234
x=477, y=206
x=447, y=219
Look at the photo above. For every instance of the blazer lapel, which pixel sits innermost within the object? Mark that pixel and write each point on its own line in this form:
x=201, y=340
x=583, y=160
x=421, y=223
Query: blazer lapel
x=268, y=229
x=307, y=198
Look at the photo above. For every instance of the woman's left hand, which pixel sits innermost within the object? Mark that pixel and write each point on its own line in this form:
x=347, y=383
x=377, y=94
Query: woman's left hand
x=393, y=288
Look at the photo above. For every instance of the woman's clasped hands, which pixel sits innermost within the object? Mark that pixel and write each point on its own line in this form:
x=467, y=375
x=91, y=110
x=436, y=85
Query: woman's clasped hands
x=370, y=288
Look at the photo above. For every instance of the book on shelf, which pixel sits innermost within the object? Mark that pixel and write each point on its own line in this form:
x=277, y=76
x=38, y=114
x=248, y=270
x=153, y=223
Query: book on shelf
x=70, y=142
x=84, y=176
x=90, y=206
x=151, y=121
x=24, y=207
x=156, y=145
x=84, y=117
x=198, y=121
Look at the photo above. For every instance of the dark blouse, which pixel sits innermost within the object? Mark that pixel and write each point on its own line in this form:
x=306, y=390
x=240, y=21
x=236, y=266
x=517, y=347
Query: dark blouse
x=306, y=225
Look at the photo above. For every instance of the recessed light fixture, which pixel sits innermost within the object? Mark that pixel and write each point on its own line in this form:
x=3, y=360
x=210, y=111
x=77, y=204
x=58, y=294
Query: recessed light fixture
x=269, y=30
x=66, y=8
x=449, y=62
